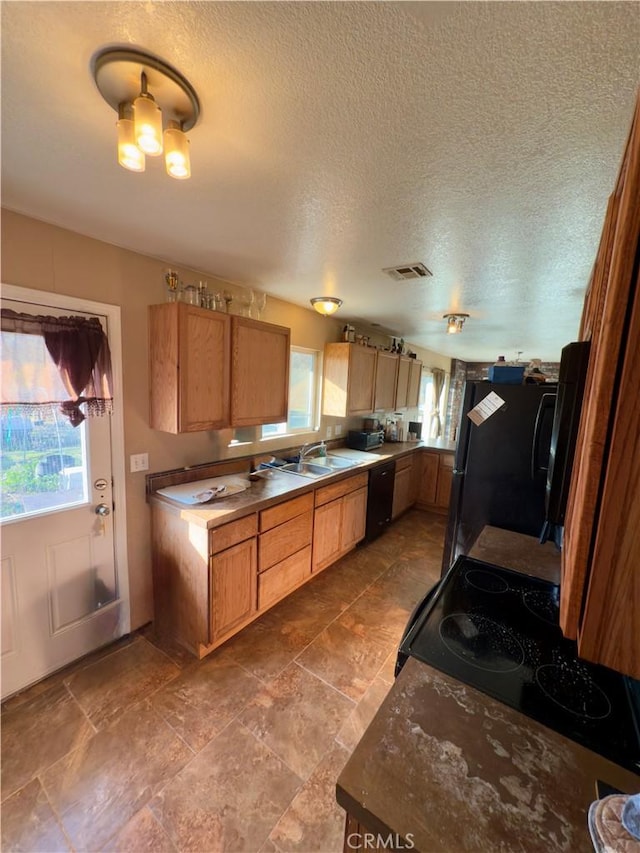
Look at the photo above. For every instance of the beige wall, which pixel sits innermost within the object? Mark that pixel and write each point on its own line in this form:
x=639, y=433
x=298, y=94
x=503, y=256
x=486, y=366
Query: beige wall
x=43, y=257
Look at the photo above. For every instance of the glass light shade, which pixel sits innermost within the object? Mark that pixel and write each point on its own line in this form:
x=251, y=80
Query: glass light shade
x=452, y=327
x=148, y=125
x=129, y=155
x=326, y=305
x=176, y=153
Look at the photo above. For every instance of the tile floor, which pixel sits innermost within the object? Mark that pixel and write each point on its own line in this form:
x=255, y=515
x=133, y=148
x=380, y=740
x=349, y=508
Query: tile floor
x=142, y=748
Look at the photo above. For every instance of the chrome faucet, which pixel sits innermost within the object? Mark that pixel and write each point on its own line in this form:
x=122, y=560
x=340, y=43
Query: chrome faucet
x=307, y=448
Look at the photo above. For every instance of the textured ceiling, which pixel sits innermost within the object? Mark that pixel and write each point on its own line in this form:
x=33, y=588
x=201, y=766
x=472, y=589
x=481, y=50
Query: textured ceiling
x=336, y=139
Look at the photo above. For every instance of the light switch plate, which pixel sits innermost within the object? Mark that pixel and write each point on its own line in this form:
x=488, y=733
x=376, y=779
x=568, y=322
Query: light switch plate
x=139, y=462
x=329, y=432
x=338, y=429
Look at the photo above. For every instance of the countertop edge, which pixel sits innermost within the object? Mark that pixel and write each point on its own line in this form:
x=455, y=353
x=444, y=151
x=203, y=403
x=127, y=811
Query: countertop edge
x=289, y=486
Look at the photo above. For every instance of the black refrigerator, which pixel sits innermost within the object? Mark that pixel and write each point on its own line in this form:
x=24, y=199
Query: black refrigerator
x=500, y=467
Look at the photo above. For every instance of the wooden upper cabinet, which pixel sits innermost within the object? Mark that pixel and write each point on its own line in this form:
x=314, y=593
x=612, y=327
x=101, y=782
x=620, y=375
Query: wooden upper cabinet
x=600, y=588
x=188, y=368
x=259, y=372
x=402, y=383
x=349, y=380
x=386, y=379
x=415, y=375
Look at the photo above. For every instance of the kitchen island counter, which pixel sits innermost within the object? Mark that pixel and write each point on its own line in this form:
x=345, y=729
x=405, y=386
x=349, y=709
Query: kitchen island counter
x=446, y=768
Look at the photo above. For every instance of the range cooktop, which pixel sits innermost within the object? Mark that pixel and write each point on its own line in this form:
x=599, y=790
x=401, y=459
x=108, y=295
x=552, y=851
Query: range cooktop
x=498, y=631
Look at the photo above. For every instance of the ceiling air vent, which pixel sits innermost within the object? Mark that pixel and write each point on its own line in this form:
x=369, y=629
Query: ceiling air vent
x=407, y=271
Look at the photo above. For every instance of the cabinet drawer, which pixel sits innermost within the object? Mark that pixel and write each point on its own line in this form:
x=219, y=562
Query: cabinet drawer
x=284, y=540
x=275, y=583
x=232, y=533
x=404, y=462
x=337, y=490
x=283, y=512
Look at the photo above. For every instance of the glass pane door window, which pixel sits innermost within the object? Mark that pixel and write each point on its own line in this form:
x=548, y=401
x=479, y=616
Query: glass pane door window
x=44, y=462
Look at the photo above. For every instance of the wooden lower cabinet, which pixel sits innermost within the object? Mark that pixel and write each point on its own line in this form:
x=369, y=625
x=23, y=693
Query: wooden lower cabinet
x=354, y=518
x=434, y=490
x=233, y=594
x=339, y=521
x=210, y=583
x=327, y=535
x=404, y=485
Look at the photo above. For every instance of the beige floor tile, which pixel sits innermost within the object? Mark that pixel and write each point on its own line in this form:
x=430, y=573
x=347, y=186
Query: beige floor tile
x=402, y=585
x=228, y=798
x=375, y=616
x=387, y=673
x=29, y=824
x=269, y=645
x=58, y=678
x=297, y=716
x=37, y=733
x=354, y=726
x=107, y=688
x=98, y=787
x=204, y=699
x=347, y=661
x=314, y=821
x=143, y=834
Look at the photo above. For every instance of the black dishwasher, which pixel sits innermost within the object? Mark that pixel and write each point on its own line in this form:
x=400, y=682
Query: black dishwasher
x=379, y=499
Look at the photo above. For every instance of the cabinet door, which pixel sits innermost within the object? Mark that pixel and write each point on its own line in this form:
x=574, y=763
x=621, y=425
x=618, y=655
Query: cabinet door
x=402, y=385
x=429, y=484
x=610, y=318
x=415, y=375
x=189, y=368
x=354, y=518
x=259, y=372
x=361, y=388
x=445, y=479
x=327, y=534
x=386, y=377
x=233, y=587
x=401, y=492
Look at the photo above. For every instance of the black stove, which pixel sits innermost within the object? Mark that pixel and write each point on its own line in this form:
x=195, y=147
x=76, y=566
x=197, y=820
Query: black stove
x=497, y=630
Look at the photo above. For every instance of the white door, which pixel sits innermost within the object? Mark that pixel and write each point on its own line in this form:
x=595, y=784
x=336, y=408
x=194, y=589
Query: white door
x=61, y=596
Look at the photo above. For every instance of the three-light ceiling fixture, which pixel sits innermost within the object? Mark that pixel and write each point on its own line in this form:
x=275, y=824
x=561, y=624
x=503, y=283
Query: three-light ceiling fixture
x=455, y=322
x=156, y=105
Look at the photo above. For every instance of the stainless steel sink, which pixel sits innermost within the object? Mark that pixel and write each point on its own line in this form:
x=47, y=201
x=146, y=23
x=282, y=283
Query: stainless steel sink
x=307, y=469
x=321, y=467
x=338, y=462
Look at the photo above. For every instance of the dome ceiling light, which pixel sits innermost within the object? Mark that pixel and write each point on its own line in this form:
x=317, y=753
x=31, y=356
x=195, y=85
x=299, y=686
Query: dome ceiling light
x=326, y=305
x=155, y=106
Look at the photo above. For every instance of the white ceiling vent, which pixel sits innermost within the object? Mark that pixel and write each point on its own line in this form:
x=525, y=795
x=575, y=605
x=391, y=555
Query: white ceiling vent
x=407, y=271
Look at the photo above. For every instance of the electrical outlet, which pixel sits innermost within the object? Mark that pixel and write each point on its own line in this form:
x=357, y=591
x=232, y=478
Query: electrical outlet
x=338, y=429
x=139, y=462
x=329, y=432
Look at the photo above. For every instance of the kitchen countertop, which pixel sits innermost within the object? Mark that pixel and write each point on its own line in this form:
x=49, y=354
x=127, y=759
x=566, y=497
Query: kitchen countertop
x=518, y=552
x=448, y=768
x=277, y=485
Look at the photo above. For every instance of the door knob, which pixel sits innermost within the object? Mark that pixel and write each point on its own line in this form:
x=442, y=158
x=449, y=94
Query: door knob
x=103, y=509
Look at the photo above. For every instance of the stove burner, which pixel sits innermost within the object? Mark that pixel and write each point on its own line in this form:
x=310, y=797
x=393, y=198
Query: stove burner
x=486, y=581
x=543, y=604
x=573, y=690
x=481, y=642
